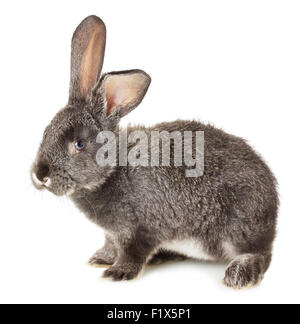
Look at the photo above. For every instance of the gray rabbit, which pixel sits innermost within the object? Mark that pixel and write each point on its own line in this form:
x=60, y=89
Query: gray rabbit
x=153, y=214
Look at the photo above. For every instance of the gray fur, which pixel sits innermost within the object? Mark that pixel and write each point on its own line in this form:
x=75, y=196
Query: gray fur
x=140, y=208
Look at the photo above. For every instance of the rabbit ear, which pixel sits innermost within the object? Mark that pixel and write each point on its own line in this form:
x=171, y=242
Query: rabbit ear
x=88, y=46
x=123, y=91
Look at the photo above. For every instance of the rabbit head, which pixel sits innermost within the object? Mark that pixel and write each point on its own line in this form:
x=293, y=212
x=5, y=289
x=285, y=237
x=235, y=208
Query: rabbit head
x=66, y=160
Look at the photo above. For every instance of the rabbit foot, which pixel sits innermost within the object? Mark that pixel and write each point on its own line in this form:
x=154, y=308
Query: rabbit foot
x=246, y=271
x=100, y=258
x=122, y=272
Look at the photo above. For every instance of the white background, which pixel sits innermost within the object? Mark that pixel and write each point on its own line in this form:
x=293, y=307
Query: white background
x=235, y=64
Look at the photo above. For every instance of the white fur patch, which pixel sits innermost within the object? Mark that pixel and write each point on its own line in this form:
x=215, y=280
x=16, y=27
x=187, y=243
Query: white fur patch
x=39, y=183
x=229, y=251
x=92, y=186
x=36, y=180
x=190, y=248
x=47, y=183
x=70, y=192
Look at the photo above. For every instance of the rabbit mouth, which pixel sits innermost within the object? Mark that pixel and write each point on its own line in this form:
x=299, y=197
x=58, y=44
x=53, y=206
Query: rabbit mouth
x=59, y=188
x=40, y=185
x=58, y=185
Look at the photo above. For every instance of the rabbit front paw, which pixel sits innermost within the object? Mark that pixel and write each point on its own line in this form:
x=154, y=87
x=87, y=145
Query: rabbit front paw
x=101, y=258
x=122, y=272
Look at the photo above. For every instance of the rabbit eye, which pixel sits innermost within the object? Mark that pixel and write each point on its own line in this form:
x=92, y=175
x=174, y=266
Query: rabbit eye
x=79, y=146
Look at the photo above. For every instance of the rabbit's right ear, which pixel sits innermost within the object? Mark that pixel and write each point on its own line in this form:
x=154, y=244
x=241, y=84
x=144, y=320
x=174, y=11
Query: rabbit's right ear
x=88, y=46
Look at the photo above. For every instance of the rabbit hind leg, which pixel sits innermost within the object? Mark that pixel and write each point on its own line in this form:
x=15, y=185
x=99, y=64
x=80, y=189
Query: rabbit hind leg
x=247, y=270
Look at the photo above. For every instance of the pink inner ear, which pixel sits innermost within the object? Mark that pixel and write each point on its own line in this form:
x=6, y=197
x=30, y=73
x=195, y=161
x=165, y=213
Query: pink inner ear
x=110, y=104
x=123, y=90
x=92, y=61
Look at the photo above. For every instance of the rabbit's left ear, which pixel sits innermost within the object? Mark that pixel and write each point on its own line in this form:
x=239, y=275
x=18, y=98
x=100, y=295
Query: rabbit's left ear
x=123, y=91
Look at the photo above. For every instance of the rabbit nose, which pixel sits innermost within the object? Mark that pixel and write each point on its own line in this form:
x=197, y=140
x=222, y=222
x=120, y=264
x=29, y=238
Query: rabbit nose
x=42, y=172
